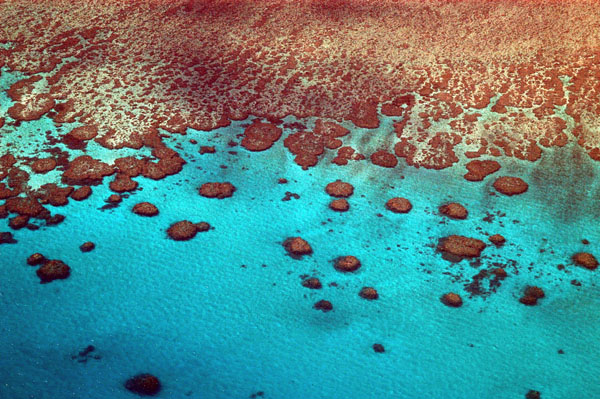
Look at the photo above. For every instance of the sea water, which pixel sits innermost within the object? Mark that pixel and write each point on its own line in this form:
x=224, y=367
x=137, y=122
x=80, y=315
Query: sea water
x=224, y=315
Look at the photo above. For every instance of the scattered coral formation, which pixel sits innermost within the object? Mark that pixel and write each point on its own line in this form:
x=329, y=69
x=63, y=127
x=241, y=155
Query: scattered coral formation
x=43, y=165
x=339, y=205
x=323, y=305
x=36, y=259
x=398, y=205
x=452, y=299
x=378, y=348
x=479, y=169
x=509, y=185
x=145, y=209
x=531, y=295
x=497, y=239
x=347, y=263
x=339, y=188
x=185, y=230
x=585, y=259
x=297, y=246
x=260, y=136
x=457, y=247
x=312, y=283
x=144, y=384
x=217, y=190
x=454, y=210
x=369, y=293
x=53, y=270
x=87, y=246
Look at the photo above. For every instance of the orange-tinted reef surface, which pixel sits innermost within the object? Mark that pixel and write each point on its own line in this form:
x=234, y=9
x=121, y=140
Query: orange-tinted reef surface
x=299, y=198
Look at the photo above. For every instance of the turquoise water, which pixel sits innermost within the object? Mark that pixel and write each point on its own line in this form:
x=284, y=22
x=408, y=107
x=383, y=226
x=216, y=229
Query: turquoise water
x=225, y=316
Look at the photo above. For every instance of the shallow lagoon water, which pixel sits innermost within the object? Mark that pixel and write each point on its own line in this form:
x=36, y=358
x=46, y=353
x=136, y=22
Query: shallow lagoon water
x=224, y=315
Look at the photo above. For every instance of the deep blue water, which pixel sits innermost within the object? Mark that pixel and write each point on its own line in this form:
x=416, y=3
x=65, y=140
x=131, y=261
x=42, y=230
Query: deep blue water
x=225, y=316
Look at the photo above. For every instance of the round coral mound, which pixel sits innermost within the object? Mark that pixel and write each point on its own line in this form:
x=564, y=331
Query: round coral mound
x=534, y=291
x=339, y=188
x=84, y=132
x=202, y=227
x=347, y=263
x=384, y=159
x=36, y=259
x=85, y=170
x=369, y=293
x=114, y=199
x=398, y=205
x=87, y=246
x=217, y=190
x=457, y=247
x=145, y=209
x=53, y=270
x=183, y=230
x=499, y=272
x=528, y=300
x=586, y=260
x=122, y=183
x=260, y=136
x=44, y=165
x=81, y=193
x=509, y=185
x=339, y=205
x=451, y=299
x=478, y=170
x=454, y=210
x=531, y=295
x=18, y=222
x=312, y=283
x=297, y=246
x=7, y=238
x=497, y=239
x=378, y=348
x=143, y=384
x=207, y=150
x=323, y=305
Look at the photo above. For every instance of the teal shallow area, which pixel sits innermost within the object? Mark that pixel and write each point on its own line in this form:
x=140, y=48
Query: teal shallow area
x=225, y=316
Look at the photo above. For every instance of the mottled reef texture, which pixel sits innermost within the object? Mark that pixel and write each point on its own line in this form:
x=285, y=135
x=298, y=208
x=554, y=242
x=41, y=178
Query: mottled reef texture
x=434, y=66
x=469, y=80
